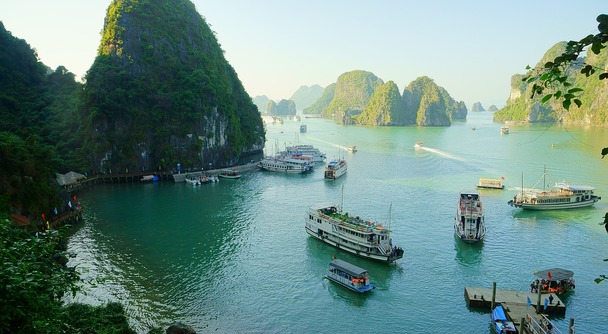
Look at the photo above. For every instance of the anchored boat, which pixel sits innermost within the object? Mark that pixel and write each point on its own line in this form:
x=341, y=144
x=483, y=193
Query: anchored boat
x=349, y=276
x=501, y=322
x=561, y=196
x=335, y=169
x=352, y=234
x=469, y=224
x=554, y=280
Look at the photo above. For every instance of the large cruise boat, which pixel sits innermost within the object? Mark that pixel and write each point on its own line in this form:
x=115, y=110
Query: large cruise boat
x=284, y=164
x=306, y=150
x=469, y=224
x=335, y=169
x=352, y=234
x=561, y=196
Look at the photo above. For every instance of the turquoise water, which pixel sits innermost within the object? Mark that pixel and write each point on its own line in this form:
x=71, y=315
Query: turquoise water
x=234, y=256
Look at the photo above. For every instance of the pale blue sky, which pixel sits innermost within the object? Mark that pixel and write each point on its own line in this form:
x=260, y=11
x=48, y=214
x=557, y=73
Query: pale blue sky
x=471, y=48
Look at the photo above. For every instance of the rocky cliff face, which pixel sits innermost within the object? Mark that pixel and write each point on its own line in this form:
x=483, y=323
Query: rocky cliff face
x=430, y=105
x=160, y=92
x=283, y=108
x=306, y=96
x=353, y=91
x=522, y=107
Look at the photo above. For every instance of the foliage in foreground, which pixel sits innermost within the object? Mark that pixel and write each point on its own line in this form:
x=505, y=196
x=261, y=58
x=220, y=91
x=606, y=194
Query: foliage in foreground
x=33, y=282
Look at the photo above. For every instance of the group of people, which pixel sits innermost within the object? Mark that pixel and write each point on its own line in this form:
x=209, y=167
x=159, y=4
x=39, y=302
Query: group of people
x=552, y=286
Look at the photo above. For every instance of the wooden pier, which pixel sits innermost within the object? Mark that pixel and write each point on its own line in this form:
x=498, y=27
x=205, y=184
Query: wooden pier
x=526, y=309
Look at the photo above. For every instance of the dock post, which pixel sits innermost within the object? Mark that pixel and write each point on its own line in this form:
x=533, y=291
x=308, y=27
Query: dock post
x=493, y=295
x=522, y=325
x=571, y=326
x=540, y=290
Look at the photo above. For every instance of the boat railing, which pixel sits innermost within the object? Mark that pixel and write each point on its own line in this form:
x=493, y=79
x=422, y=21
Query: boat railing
x=544, y=327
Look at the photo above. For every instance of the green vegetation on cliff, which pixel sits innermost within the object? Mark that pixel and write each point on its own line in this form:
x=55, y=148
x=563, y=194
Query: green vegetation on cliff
x=521, y=106
x=160, y=92
x=322, y=102
x=384, y=108
x=428, y=104
x=353, y=91
x=306, y=96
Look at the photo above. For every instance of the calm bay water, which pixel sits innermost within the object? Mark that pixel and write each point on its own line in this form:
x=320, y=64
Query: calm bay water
x=234, y=256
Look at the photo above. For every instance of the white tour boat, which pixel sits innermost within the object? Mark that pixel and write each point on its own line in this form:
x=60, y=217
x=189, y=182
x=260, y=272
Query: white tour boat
x=352, y=234
x=284, y=164
x=419, y=145
x=335, y=169
x=306, y=150
x=469, y=224
x=561, y=196
x=230, y=173
x=504, y=130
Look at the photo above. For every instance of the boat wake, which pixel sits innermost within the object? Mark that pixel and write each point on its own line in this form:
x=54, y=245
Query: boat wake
x=441, y=153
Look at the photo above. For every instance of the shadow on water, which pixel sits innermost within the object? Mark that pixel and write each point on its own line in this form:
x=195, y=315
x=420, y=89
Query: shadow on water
x=380, y=273
x=467, y=254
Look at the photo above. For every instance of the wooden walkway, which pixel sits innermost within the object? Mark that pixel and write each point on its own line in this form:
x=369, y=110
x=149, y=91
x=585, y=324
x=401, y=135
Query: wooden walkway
x=519, y=306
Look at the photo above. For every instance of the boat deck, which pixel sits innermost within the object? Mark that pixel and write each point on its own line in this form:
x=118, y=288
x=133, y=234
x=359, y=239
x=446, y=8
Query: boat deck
x=482, y=297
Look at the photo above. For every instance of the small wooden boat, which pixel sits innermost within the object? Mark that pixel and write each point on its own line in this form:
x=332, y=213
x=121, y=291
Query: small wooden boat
x=230, y=174
x=349, y=276
x=501, y=322
x=490, y=183
x=553, y=280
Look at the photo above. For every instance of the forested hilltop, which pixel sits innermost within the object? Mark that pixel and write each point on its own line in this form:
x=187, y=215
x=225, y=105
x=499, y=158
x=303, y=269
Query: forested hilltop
x=594, y=109
x=161, y=92
x=360, y=97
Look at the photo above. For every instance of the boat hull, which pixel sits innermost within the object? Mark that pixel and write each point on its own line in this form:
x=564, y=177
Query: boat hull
x=352, y=288
x=556, y=206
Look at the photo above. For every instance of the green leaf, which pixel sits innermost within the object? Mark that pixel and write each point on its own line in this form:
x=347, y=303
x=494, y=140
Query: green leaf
x=575, y=90
x=603, y=76
x=548, y=64
x=566, y=104
x=578, y=102
x=546, y=98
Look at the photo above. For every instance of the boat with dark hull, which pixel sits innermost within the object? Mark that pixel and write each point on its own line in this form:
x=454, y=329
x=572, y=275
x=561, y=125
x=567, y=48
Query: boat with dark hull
x=352, y=234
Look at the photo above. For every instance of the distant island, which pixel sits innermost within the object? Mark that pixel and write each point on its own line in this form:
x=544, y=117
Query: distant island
x=360, y=97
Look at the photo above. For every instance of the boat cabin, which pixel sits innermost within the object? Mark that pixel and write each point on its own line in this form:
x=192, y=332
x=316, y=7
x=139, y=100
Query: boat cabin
x=349, y=276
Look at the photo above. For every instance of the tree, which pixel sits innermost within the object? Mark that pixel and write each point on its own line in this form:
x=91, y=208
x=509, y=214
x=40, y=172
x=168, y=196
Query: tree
x=554, y=76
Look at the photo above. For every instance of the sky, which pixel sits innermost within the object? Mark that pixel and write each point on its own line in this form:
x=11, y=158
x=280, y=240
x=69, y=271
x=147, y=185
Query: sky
x=471, y=48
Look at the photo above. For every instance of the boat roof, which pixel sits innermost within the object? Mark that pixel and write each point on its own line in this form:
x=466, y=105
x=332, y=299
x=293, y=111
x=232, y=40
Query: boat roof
x=564, y=185
x=499, y=314
x=556, y=274
x=347, y=267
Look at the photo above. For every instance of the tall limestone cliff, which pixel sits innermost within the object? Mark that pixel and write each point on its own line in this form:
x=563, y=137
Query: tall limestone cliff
x=160, y=92
x=353, y=91
x=384, y=108
x=427, y=104
x=322, y=102
x=306, y=96
x=283, y=108
x=522, y=107
x=262, y=103
x=477, y=106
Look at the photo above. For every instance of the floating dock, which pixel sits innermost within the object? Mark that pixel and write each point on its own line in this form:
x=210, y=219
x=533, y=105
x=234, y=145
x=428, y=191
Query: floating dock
x=520, y=306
